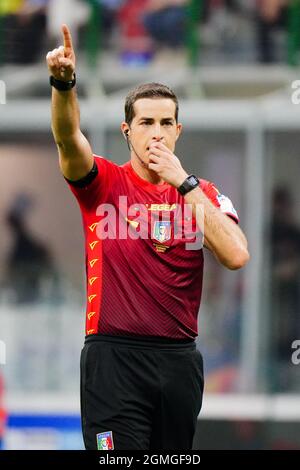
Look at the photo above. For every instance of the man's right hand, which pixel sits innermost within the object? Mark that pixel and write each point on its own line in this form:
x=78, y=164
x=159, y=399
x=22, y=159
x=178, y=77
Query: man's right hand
x=75, y=154
x=61, y=61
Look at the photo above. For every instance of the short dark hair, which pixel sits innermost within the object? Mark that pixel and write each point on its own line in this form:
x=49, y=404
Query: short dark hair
x=148, y=90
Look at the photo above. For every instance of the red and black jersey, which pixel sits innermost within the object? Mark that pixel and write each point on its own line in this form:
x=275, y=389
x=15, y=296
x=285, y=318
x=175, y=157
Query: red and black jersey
x=142, y=277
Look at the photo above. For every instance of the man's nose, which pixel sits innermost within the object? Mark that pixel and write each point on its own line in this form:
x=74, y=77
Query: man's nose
x=157, y=136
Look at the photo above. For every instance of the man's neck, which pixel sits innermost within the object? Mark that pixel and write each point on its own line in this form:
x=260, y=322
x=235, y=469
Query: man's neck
x=143, y=172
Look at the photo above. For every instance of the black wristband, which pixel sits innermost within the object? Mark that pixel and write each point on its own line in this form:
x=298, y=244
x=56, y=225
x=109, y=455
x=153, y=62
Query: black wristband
x=62, y=85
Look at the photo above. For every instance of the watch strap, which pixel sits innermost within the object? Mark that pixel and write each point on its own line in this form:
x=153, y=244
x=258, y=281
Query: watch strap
x=190, y=183
x=62, y=85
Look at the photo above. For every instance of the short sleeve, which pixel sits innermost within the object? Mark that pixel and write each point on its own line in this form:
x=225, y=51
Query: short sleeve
x=94, y=191
x=219, y=200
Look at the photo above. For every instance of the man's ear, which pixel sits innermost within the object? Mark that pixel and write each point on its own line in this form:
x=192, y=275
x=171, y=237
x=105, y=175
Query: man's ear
x=125, y=132
x=179, y=130
x=125, y=129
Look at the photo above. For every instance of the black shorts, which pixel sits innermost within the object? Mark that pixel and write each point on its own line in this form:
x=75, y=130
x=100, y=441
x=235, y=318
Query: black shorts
x=139, y=394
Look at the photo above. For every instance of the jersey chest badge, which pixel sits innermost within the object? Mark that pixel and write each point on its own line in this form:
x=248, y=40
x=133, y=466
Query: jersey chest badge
x=161, y=231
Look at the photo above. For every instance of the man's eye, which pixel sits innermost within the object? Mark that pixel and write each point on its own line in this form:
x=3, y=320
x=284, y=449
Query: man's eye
x=168, y=123
x=146, y=123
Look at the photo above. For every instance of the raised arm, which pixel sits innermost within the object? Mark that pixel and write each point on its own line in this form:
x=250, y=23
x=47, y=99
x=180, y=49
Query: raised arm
x=75, y=154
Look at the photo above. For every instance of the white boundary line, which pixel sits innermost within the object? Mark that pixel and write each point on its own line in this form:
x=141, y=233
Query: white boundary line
x=231, y=407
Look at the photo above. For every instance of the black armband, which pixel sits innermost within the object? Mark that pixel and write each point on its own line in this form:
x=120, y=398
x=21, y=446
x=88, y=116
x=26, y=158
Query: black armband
x=86, y=180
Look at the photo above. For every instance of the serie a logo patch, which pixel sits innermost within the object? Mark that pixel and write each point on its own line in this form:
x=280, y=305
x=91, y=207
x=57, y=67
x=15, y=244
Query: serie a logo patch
x=161, y=231
x=105, y=441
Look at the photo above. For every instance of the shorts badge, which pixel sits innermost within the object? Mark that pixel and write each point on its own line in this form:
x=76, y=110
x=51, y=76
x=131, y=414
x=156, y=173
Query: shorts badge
x=105, y=441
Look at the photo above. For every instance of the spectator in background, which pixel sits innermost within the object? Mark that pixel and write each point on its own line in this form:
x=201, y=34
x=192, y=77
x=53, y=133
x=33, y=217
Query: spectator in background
x=271, y=15
x=109, y=11
x=108, y=16
x=285, y=293
x=74, y=12
x=165, y=21
x=31, y=274
x=23, y=30
x=137, y=48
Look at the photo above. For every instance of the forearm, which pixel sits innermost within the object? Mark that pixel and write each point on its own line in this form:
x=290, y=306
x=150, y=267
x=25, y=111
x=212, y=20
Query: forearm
x=221, y=234
x=65, y=115
x=64, y=106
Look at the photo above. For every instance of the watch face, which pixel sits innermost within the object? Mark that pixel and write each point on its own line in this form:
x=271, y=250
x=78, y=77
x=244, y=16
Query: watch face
x=193, y=180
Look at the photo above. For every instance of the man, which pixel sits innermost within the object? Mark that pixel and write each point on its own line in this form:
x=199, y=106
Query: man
x=285, y=289
x=31, y=274
x=271, y=15
x=165, y=21
x=22, y=30
x=141, y=375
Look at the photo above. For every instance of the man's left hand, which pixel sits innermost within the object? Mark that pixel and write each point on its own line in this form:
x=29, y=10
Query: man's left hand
x=166, y=164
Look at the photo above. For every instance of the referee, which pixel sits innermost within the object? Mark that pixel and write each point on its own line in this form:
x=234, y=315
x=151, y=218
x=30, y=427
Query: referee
x=141, y=374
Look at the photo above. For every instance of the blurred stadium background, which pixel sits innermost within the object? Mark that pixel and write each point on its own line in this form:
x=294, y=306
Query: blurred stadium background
x=232, y=64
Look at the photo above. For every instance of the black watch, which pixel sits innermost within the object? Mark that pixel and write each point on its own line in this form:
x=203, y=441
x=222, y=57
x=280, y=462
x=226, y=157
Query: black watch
x=191, y=182
x=62, y=85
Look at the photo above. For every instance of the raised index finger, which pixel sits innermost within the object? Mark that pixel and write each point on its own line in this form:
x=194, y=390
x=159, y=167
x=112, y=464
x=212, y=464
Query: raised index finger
x=67, y=37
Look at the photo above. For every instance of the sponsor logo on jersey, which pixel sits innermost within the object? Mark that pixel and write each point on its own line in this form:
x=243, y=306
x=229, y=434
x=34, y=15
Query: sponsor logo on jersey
x=160, y=248
x=105, y=441
x=161, y=207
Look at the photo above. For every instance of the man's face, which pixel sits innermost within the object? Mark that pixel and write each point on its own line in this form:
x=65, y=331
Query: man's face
x=154, y=121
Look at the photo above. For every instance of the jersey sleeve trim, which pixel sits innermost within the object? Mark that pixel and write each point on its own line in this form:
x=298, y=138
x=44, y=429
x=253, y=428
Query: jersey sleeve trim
x=219, y=200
